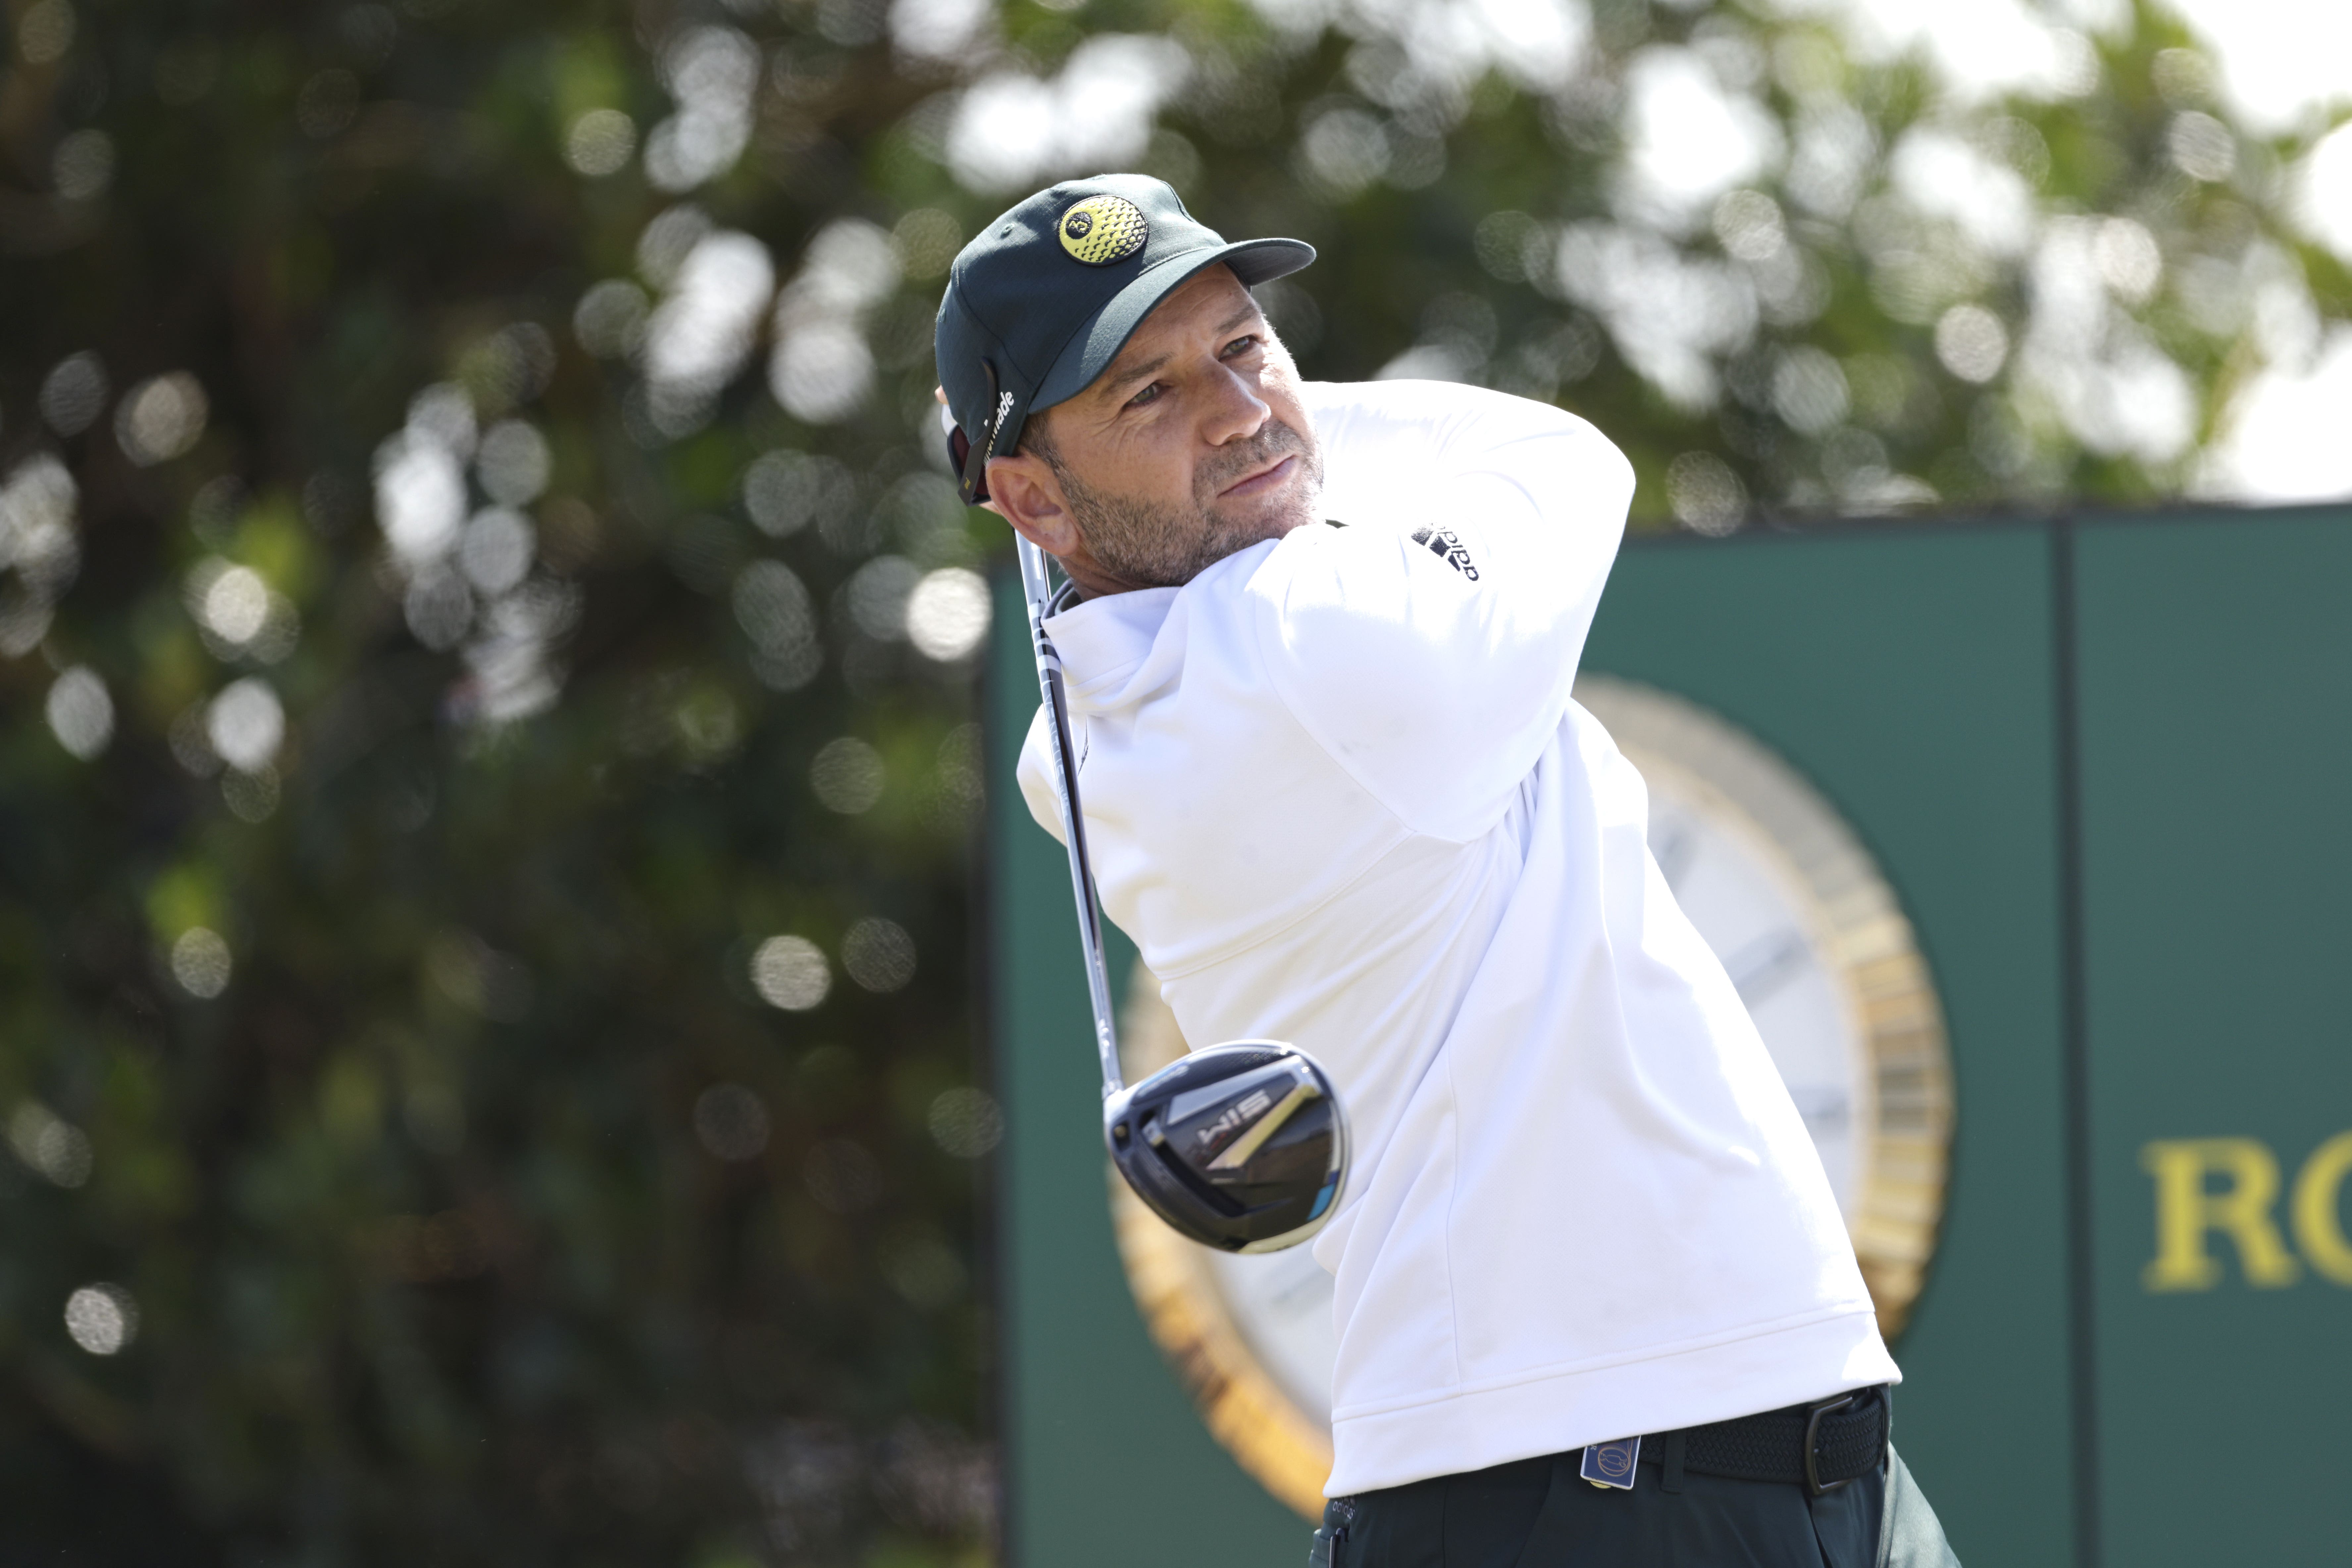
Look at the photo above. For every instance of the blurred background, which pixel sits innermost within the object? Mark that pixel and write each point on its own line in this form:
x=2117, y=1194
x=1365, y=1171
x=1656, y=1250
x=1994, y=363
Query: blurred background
x=490, y=990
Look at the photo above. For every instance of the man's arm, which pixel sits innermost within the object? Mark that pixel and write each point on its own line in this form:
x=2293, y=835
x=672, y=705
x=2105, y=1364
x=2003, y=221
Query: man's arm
x=1430, y=647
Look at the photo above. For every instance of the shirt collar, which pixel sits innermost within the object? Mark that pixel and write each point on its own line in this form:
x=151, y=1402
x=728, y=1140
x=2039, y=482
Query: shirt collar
x=1102, y=639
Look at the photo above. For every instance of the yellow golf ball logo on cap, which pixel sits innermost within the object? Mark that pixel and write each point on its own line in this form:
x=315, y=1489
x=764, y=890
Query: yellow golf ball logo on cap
x=1104, y=229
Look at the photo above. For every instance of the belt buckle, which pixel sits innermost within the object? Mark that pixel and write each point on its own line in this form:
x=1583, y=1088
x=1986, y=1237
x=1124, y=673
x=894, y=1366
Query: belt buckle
x=1815, y=1485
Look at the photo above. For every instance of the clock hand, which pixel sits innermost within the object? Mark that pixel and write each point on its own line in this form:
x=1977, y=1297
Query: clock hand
x=1762, y=968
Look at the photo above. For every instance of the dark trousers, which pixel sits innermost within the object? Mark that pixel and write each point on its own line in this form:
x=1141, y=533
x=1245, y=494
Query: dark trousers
x=1539, y=1513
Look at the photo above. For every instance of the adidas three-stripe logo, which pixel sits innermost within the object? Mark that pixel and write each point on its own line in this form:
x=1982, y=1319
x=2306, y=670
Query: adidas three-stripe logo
x=1447, y=546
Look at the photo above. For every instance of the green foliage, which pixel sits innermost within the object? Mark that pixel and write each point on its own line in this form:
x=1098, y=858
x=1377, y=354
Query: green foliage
x=409, y=1161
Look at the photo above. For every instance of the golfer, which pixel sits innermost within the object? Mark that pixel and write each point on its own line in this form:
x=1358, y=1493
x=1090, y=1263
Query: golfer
x=1594, y=1301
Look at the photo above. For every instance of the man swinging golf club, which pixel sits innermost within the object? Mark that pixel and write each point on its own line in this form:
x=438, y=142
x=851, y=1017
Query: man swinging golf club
x=1309, y=681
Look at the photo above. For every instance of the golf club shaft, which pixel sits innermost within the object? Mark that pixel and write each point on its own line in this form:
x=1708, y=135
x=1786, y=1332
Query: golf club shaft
x=1037, y=587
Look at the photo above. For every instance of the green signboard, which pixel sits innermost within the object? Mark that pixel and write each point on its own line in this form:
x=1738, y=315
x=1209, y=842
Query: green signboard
x=2099, y=766
x=2215, y=736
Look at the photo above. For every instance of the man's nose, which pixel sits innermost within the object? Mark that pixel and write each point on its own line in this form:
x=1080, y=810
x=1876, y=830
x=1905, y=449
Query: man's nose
x=1235, y=412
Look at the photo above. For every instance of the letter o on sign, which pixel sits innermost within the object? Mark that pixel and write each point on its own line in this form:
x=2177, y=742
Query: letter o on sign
x=2318, y=1229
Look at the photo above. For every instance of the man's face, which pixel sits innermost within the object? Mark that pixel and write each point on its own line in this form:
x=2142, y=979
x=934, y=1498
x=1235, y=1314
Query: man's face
x=1191, y=446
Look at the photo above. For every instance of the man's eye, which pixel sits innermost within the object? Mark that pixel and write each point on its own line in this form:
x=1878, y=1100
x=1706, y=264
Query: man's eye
x=1149, y=395
x=1241, y=345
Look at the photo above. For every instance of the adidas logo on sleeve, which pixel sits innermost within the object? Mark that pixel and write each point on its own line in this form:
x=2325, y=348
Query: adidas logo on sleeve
x=1447, y=546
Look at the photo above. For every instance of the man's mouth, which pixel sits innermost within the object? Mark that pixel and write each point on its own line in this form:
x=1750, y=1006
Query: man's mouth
x=1259, y=480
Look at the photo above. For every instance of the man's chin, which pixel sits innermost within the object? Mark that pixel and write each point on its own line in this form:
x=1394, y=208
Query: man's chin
x=1123, y=531
x=1262, y=523
x=1270, y=514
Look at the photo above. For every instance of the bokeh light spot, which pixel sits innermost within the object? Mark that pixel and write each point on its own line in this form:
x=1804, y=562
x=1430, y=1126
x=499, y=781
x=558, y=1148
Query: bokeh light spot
x=784, y=491
x=948, y=614
x=80, y=713
x=703, y=332
x=879, y=954
x=1011, y=127
x=444, y=413
x=712, y=72
x=231, y=602
x=1343, y=152
x=1511, y=247
x=49, y=1144
x=878, y=592
x=38, y=541
x=1749, y=225
x=938, y=30
x=967, y=1122
x=102, y=1318
x=46, y=32
x=1704, y=494
x=821, y=369
x=495, y=552
x=2201, y=147
x=601, y=143
x=731, y=1121
x=789, y=973
x=1809, y=390
x=514, y=462
x=924, y=1269
x=821, y=374
x=610, y=320
x=74, y=393
x=161, y=419
x=1688, y=139
x=200, y=962
x=1971, y=342
x=245, y=724
x=775, y=612
x=925, y=241
x=2323, y=191
x=420, y=495
x=82, y=167
x=439, y=608
x=847, y=775
x=250, y=796
x=2128, y=259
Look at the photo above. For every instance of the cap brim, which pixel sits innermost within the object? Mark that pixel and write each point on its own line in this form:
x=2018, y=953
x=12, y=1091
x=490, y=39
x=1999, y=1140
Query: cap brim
x=1097, y=343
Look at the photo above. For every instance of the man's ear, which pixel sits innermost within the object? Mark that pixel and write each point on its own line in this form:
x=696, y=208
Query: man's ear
x=1023, y=490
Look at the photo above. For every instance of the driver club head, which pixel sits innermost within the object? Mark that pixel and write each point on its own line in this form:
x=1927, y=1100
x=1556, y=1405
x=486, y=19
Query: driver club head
x=1240, y=1146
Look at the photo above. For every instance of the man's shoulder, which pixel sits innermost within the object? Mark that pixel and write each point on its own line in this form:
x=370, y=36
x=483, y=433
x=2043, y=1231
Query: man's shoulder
x=1389, y=442
x=1403, y=402
x=1337, y=407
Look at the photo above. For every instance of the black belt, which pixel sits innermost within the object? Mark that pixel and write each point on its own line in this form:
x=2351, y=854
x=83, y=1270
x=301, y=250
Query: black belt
x=1819, y=1447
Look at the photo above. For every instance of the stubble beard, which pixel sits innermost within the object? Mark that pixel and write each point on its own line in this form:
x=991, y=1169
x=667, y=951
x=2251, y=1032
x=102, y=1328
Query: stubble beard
x=1161, y=544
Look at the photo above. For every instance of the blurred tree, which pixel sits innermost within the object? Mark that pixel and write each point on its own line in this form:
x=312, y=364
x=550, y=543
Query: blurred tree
x=486, y=1024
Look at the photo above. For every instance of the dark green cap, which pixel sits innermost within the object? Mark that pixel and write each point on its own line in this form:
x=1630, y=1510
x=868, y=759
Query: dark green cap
x=1043, y=301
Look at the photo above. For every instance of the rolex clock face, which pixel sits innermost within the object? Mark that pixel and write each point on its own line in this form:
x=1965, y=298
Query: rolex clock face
x=1810, y=932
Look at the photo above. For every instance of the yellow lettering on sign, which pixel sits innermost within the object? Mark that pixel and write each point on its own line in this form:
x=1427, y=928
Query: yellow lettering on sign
x=2186, y=1213
x=2319, y=1230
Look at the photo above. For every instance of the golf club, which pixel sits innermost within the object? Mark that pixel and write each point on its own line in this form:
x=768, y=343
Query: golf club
x=1240, y=1146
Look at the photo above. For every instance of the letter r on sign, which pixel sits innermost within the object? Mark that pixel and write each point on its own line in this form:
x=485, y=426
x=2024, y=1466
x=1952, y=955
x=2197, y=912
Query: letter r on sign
x=2240, y=1209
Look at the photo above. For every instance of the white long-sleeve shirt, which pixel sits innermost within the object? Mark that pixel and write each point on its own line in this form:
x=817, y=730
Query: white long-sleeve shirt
x=1338, y=794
